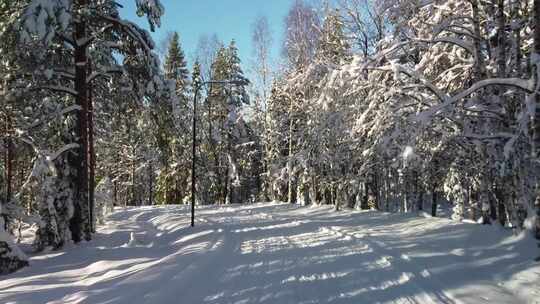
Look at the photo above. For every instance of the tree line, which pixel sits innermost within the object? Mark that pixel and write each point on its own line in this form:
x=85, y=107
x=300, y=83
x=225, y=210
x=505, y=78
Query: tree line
x=404, y=105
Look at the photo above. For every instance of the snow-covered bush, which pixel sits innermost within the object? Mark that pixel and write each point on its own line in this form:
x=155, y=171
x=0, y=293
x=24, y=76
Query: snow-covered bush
x=11, y=257
x=53, y=199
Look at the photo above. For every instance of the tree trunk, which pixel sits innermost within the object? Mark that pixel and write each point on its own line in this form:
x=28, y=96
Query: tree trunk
x=517, y=37
x=8, y=159
x=115, y=193
x=501, y=39
x=79, y=225
x=91, y=153
x=226, y=186
x=536, y=131
x=166, y=198
x=536, y=73
x=479, y=60
x=501, y=208
x=133, y=190
x=433, y=201
x=290, y=197
x=387, y=183
x=419, y=193
x=8, y=162
x=151, y=185
x=376, y=191
x=365, y=198
x=337, y=197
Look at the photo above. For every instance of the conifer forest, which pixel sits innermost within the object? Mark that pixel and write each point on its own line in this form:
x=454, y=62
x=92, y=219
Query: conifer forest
x=356, y=151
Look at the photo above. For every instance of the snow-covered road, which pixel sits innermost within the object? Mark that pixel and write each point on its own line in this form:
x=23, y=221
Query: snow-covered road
x=274, y=253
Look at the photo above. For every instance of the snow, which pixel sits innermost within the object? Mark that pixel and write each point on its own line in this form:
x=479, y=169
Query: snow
x=6, y=238
x=408, y=153
x=281, y=253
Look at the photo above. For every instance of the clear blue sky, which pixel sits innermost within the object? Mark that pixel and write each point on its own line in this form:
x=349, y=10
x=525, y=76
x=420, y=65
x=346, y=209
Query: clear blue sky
x=227, y=18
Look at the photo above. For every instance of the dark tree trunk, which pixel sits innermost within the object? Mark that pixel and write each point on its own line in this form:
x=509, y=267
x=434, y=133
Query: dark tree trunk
x=376, y=192
x=115, y=193
x=419, y=192
x=91, y=154
x=365, y=197
x=133, y=190
x=433, y=201
x=79, y=161
x=9, y=162
x=536, y=131
x=151, y=186
x=166, y=188
x=177, y=196
x=290, y=197
x=8, y=159
x=226, y=185
x=501, y=208
x=517, y=37
x=501, y=39
x=493, y=205
x=479, y=60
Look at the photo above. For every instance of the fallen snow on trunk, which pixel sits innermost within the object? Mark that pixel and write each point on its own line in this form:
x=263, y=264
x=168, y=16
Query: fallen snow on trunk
x=271, y=253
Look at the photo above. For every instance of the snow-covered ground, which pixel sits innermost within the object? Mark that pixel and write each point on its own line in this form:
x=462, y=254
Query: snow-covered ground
x=275, y=253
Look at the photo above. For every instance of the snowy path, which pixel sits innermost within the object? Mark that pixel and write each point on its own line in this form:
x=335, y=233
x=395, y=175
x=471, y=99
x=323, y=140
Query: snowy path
x=267, y=253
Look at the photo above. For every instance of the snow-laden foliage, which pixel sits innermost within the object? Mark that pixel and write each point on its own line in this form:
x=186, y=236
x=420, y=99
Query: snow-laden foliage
x=64, y=65
x=51, y=189
x=43, y=18
x=435, y=103
x=11, y=257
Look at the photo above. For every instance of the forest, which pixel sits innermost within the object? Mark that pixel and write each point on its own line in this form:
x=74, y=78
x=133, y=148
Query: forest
x=400, y=106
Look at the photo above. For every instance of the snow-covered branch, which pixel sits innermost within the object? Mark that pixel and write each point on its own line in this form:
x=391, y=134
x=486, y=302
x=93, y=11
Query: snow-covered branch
x=104, y=73
x=54, y=88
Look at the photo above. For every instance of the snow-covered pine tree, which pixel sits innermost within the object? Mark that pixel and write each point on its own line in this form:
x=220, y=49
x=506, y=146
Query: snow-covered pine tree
x=83, y=25
x=278, y=127
x=235, y=127
x=36, y=124
x=172, y=118
x=215, y=108
x=175, y=66
x=333, y=46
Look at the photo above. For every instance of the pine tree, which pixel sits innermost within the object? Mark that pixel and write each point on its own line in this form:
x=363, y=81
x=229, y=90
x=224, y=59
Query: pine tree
x=11, y=257
x=333, y=45
x=216, y=113
x=226, y=96
x=171, y=117
x=175, y=66
x=239, y=93
x=82, y=27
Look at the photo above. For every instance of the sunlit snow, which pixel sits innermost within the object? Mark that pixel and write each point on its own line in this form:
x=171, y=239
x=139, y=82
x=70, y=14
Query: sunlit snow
x=281, y=253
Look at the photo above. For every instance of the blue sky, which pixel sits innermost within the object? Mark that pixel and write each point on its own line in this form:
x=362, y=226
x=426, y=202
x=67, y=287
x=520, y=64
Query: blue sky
x=227, y=18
